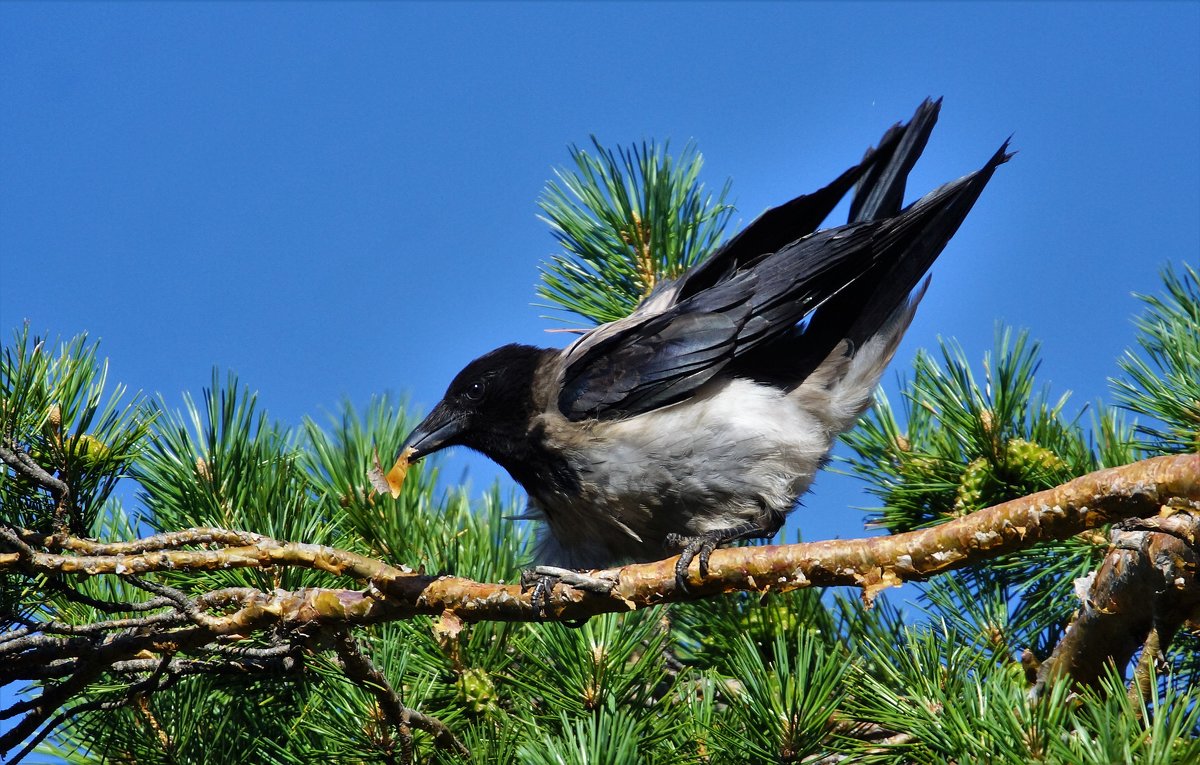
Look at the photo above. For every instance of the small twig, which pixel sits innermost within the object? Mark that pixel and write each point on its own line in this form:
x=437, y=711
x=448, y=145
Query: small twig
x=169, y=619
x=11, y=537
x=38, y=652
x=186, y=605
x=360, y=668
x=226, y=665
x=881, y=743
x=112, y=607
x=143, y=708
x=264, y=552
x=20, y=632
x=1141, y=686
x=257, y=654
x=46, y=730
x=39, y=710
x=147, y=685
x=20, y=461
x=17, y=651
x=166, y=541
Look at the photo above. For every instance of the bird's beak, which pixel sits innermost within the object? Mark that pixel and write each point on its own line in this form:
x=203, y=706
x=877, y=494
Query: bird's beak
x=436, y=431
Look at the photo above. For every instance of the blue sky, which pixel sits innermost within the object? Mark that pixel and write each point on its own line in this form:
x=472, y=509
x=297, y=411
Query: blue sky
x=339, y=200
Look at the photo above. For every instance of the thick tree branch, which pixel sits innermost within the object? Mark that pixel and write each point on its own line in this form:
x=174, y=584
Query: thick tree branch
x=158, y=553
x=1136, y=490
x=1143, y=592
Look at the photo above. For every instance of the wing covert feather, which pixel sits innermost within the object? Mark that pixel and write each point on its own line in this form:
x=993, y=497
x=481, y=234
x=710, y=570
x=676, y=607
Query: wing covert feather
x=650, y=365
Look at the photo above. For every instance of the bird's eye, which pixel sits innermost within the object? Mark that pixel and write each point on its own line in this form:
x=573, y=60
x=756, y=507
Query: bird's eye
x=475, y=391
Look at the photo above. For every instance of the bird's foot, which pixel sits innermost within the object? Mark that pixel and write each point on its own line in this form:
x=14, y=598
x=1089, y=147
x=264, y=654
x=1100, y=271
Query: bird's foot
x=540, y=582
x=700, y=547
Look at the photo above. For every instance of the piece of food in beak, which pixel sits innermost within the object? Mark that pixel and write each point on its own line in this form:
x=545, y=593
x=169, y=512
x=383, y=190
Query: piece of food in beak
x=393, y=480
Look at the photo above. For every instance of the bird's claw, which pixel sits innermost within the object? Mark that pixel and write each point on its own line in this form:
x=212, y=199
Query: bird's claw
x=701, y=546
x=690, y=548
x=541, y=580
x=539, y=587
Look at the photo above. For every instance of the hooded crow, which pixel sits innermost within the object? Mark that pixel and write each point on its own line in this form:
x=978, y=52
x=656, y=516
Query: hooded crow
x=703, y=416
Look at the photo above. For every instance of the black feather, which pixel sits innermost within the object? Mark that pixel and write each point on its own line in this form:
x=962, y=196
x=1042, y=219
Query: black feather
x=880, y=193
x=845, y=281
x=665, y=359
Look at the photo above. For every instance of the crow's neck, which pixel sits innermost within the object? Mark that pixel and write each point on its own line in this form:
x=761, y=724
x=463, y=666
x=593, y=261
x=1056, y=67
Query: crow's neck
x=541, y=471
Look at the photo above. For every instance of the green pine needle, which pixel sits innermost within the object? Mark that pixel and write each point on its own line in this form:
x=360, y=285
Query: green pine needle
x=626, y=221
x=1163, y=382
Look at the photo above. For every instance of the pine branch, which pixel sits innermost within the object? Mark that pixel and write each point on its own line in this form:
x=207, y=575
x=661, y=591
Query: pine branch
x=157, y=554
x=1136, y=490
x=207, y=622
x=1163, y=381
x=20, y=461
x=133, y=694
x=626, y=221
x=1140, y=596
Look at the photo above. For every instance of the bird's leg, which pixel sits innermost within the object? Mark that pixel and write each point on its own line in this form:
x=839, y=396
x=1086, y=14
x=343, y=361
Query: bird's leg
x=540, y=580
x=702, y=545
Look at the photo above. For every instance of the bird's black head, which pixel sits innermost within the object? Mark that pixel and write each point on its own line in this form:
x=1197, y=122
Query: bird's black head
x=487, y=407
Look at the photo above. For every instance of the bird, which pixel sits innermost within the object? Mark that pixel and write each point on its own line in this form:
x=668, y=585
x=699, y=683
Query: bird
x=702, y=417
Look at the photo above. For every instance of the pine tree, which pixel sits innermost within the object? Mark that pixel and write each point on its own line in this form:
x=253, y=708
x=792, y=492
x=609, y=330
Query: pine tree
x=801, y=676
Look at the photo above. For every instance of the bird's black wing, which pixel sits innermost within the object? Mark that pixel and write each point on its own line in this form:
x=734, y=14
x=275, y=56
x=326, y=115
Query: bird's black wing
x=625, y=365
x=651, y=365
x=644, y=362
x=879, y=194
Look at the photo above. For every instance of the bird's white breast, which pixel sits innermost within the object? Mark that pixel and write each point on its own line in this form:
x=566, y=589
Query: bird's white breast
x=736, y=452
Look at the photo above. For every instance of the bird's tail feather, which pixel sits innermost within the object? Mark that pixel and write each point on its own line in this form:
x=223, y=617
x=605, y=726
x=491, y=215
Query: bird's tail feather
x=921, y=233
x=880, y=192
x=905, y=247
x=782, y=225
